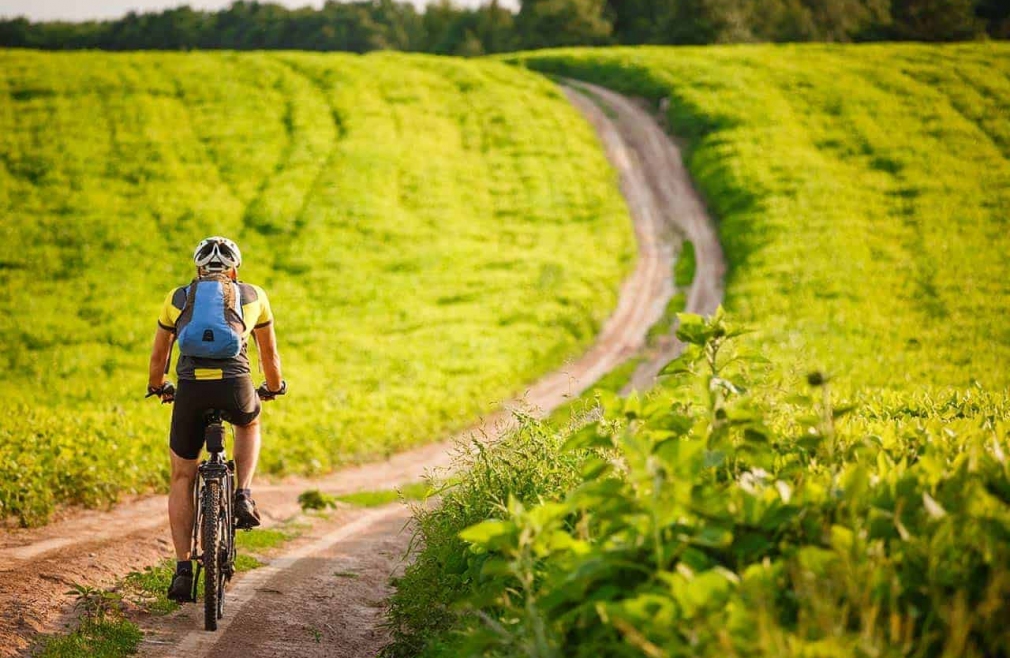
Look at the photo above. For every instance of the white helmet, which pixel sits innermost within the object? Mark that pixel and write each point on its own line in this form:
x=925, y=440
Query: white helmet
x=217, y=254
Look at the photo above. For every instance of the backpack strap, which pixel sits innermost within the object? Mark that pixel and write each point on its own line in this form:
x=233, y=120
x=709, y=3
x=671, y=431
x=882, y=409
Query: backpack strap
x=190, y=295
x=238, y=302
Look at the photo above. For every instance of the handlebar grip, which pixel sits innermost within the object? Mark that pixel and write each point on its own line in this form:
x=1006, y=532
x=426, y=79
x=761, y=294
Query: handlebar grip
x=265, y=393
x=166, y=389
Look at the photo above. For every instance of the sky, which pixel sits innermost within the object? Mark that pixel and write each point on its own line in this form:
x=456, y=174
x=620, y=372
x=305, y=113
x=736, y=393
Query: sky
x=81, y=10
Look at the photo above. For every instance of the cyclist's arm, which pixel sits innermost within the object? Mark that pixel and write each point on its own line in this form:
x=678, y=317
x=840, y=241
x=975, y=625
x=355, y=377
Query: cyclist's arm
x=266, y=340
x=159, y=357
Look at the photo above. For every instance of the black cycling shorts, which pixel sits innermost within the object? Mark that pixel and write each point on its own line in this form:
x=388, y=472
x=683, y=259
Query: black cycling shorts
x=235, y=398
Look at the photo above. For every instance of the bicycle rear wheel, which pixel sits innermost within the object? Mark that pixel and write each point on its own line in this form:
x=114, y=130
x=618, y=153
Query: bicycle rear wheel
x=211, y=538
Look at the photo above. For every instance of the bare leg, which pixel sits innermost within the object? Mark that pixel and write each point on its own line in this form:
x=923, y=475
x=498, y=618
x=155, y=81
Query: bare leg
x=247, y=452
x=180, y=504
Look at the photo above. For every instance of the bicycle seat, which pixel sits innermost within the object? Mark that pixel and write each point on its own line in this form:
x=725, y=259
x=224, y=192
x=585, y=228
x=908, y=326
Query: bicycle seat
x=213, y=432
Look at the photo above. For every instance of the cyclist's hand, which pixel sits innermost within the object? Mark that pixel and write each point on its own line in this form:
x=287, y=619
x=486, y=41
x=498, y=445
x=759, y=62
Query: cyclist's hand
x=166, y=392
x=266, y=394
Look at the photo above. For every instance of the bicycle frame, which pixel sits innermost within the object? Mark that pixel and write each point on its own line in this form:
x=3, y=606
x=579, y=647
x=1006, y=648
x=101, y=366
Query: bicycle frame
x=217, y=467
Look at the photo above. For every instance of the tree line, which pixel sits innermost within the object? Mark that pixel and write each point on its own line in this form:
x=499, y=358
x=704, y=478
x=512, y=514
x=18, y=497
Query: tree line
x=443, y=28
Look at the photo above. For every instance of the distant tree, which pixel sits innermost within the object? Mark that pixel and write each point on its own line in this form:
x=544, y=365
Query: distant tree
x=17, y=33
x=996, y=14
x=547, y=23
x=708, y=21
x=936, y=20
x=641, y=21
x=823, y=20
x=495, y=27
x=446, y=28
x=470, y=46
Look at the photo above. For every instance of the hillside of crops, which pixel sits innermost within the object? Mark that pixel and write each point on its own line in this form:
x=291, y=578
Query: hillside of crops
x=433, y=234
x=825, y=471
x=861, y=194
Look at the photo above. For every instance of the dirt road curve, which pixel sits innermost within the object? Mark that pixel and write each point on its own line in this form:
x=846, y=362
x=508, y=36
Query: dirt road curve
x=304, y=602
x=656, y=183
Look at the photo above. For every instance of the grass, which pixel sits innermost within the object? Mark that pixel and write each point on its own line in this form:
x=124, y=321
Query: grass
x=378, y=498
x=263, y=539
x=111, y=635
x=724, y=516
x=433, y=233
x=107, y=638
x=834, y=481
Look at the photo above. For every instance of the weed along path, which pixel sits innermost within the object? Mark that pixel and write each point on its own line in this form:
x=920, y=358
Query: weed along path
x=322, y=595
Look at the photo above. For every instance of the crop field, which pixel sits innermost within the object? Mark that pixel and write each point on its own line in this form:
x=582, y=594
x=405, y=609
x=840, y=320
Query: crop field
x=433, y=234
x=825, y=472
x=861, y=194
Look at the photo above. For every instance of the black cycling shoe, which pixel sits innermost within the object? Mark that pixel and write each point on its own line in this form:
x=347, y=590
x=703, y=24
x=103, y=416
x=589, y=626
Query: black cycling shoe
x=246, y=514
x=181, y=589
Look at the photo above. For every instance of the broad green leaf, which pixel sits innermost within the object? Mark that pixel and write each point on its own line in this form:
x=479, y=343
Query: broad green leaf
x=486, y=532
x=590, y=436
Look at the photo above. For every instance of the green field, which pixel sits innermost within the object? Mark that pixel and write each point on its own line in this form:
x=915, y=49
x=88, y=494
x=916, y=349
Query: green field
x=433, y=234
x=834, y=482
x=861, y=194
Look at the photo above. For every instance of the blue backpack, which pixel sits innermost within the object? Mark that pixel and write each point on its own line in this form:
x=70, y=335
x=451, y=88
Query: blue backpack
x=211, y=325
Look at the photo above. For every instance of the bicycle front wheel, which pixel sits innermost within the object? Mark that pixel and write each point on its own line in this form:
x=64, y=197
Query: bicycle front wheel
x=211, y=545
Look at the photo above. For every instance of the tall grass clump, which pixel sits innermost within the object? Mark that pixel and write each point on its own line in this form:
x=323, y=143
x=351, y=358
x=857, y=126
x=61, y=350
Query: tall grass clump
x=722, y=517
x=526, y=466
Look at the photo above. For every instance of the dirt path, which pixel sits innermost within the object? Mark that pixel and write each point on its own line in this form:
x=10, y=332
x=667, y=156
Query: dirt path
x=300, y=604
x=323, y=597
x=655, y=181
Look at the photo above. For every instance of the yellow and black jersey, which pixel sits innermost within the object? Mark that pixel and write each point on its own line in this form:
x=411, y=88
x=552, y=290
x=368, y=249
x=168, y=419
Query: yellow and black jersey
x=255, y=312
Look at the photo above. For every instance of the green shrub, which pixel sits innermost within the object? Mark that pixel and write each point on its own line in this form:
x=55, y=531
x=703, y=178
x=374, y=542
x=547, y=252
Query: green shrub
x=706, y=525
x=314, y=499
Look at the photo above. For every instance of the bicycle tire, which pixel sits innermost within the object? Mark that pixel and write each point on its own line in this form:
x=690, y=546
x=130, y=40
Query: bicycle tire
x=211, y=538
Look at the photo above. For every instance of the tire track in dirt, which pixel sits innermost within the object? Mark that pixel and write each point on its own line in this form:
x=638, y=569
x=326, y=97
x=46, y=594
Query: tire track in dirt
x=669, y=195
x=296, y=605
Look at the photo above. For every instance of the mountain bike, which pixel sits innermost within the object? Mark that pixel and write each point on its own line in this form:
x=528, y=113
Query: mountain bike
x=214, y=521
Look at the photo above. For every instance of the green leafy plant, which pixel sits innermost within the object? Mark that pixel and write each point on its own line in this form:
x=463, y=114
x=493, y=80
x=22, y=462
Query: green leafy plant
x=95, y=604
x=150, y=585
x=705, y=523
x=314, y=499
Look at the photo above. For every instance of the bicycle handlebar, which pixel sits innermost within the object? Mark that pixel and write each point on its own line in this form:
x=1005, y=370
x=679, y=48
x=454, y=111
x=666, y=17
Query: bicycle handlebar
x=266, y=394
x=166, y=392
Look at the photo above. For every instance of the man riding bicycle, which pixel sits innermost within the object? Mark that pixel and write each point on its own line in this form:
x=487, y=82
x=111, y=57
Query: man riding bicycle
x=214, y=373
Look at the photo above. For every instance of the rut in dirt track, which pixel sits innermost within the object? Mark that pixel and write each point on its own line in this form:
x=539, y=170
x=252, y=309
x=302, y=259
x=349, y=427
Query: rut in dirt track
x=304, y=602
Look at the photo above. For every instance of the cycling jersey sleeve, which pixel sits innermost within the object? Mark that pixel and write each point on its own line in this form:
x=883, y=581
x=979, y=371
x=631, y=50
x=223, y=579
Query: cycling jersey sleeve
x=266, y=315
x=170, y=311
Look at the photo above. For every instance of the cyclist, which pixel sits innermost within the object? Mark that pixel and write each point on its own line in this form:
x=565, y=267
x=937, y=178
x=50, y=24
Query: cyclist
x=204, y=384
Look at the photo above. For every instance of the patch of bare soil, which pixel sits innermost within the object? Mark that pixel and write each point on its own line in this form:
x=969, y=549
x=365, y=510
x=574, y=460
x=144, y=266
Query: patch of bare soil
x=324, y=597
